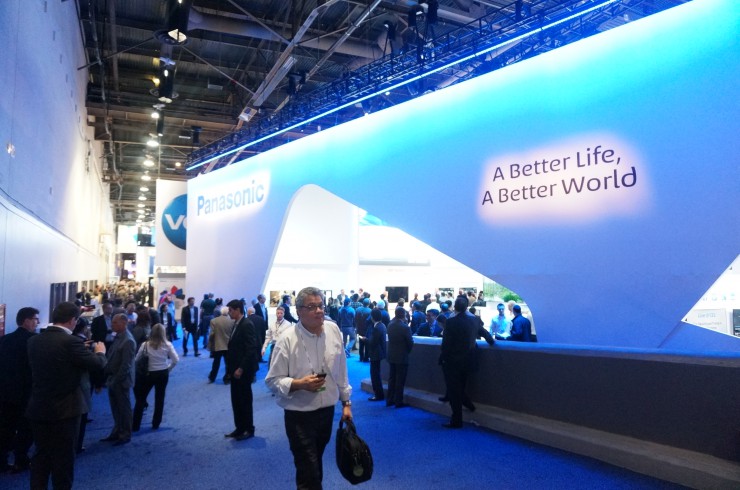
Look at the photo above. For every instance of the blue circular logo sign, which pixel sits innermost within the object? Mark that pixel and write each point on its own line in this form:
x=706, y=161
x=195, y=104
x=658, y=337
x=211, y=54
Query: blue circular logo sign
x=175, y=221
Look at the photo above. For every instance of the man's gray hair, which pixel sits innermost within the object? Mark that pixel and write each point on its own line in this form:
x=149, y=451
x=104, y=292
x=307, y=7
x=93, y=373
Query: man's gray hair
x=250, y=311
x=309, y=291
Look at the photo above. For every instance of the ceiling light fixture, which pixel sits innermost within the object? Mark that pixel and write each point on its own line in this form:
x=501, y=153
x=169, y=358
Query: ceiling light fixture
x=146, y=177
x=142, y=198
x=152, y=142
x=141, y=205
x=144, y=189
x=148, y=162
x=176, y=26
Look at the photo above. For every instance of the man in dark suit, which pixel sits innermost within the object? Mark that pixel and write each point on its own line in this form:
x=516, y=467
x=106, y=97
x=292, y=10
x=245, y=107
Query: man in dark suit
x=242, y=363
x=458, y=357
x=119, y=380
x=400, y=343
x=260, y=327
x=101, y=325
x=286, y=308
x=376, y=348
x=261, y=308
x=430, y=328
x=189, y=319
x=15, y=390
x=58, y=360
x=521, y=327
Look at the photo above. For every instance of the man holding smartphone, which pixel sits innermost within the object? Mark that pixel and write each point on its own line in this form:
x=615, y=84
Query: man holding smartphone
x=308, y=375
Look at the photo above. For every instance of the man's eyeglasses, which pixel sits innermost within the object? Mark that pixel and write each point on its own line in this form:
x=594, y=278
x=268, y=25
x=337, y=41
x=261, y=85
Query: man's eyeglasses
x=312, y=307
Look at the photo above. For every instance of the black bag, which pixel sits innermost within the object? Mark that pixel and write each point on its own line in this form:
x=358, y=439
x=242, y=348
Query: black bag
x=353, y=454
x=142, y=364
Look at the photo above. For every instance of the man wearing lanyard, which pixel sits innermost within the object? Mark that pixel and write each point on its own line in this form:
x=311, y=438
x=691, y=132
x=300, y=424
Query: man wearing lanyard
x=309, y=375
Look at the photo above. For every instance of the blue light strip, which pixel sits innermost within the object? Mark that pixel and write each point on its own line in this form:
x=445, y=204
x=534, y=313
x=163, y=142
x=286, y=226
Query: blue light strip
x=405, y=82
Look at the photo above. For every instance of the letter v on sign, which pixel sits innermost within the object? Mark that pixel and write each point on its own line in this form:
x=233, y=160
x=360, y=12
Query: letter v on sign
x=175, y=225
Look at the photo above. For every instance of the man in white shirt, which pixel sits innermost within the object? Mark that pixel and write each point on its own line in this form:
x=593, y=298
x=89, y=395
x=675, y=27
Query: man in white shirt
x=500, y=327
x=274, y=333
x=308, y=375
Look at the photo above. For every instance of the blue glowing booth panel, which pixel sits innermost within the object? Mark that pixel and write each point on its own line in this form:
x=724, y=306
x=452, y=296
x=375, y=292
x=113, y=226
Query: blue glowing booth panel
x=599, y=181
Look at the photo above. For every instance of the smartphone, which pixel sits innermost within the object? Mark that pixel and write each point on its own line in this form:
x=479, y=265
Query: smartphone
x=321, y=375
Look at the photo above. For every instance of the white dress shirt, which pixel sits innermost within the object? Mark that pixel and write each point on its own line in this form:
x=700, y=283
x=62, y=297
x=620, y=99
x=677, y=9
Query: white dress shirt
x=275, y=331
x=299, y=353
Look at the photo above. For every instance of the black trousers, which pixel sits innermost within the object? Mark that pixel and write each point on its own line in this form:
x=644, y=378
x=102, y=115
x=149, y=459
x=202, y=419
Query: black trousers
x=375, y=379
x=456, y=379
x=241, y=402
x=216, y=365
x=396, y=383
x=308, y=434
x=185, y=336
x=55, y=453
x=362, y=349
x=157, y=380
x=15, y=432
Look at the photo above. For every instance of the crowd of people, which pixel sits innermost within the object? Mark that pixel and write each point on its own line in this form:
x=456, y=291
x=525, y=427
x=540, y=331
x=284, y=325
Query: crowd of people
x=49, y=376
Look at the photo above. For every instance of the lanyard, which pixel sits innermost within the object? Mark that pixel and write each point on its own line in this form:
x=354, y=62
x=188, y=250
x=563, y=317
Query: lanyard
x=318, y=351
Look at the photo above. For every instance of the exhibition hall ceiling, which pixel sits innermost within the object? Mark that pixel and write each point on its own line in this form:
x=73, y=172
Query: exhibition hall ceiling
x=242, y=64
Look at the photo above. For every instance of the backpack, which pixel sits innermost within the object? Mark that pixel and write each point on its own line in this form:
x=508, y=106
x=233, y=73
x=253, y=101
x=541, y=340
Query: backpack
x=353, y=454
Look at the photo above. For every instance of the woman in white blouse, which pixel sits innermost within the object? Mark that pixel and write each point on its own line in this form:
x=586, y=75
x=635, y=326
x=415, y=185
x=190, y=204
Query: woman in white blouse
x=162, y=358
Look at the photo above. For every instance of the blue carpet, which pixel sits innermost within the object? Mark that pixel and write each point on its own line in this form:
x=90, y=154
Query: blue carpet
x=410, y=448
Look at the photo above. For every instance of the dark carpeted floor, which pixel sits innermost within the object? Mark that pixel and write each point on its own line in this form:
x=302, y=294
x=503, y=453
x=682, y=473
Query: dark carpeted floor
x=410, y=448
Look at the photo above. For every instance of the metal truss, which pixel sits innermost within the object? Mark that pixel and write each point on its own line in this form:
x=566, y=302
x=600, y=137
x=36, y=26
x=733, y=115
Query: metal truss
x=508, y=35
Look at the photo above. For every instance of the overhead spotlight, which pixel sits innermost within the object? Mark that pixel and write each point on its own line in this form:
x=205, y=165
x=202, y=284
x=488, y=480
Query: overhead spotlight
x=142, y=198
x=156, y=81
x=139, y=220
x=155, y=114
x=178, y=164
x=141, y=205
x=144, y=189
x=146, y=177
x=152, y=142
x=176, y=26
x=148, y=162
x=140, y=211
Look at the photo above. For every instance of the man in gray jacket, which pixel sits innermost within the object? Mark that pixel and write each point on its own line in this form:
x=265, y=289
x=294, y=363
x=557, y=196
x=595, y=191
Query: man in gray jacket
x=120, y=379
